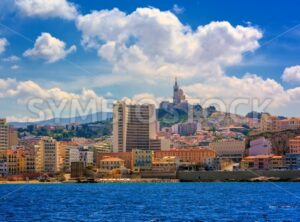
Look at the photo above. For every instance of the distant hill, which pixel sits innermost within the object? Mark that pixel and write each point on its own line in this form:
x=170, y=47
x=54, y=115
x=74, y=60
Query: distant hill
x=99, y=116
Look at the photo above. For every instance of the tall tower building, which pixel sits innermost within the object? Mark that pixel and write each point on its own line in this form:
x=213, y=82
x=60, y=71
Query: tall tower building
x=4, y=129
x=50, y=155
x=178, y=95
x=133, y=126
x=12, y=137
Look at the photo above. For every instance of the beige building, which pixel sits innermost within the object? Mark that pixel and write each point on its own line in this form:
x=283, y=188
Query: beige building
x=133, y=126
x=270, y=123
x=51, y=155
x=166, y=164
x=18, y=161
x=232, y=149
x=111, y=163
x=12, y=137
x=141, y=160
x=39, y=157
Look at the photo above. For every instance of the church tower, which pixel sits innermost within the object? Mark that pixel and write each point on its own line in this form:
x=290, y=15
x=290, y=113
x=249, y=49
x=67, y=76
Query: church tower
x=178, y=95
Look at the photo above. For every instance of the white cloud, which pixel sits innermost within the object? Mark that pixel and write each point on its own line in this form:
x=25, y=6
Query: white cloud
x=291, y=74
x=177, y=9
x=3, y=44
x=156, y=44
x=39, y=103
x=14, y=67
x=12, y=58
x=47, y=8
x=6, y=84
x=250, y=87
x=49, y=48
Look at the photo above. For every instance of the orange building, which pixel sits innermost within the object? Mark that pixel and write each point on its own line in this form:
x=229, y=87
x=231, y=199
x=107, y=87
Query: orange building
x=294, y=145
x=126, y=156
x=191, y=155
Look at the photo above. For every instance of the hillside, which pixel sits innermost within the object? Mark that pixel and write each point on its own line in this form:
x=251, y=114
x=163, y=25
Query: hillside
x=279, y=140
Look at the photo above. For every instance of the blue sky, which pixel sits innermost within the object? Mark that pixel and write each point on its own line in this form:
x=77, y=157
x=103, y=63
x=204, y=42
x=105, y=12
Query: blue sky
x=278, y=48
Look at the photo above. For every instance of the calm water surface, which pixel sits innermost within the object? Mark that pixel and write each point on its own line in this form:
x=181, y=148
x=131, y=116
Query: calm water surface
x=151, y=202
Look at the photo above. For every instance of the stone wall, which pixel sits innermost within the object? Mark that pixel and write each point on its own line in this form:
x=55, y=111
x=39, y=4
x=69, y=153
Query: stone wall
x=236, y=175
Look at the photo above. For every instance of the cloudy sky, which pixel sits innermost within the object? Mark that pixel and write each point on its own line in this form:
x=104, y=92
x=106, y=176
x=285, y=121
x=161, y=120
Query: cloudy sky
x=64, y=50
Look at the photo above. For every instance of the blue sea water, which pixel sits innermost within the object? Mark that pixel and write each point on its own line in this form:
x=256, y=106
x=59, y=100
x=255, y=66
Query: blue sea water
x=151, y=202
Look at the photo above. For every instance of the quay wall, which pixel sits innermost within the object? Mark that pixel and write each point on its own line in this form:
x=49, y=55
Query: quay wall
x=236, y=175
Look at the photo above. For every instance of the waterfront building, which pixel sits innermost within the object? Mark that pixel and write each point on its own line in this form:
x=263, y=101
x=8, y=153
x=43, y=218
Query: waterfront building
x=263, y=162
x=38, y=152
x=166, y=164
x=126, y=156
x=78, y=154
x=15, y=162
x=292, y=161
x=200, y=156
x=77, y=170
x=3, y=167
x=294, y=145
x=141, y=160
x=51, y=155
x=165, y=167
x=133, y=126
x=111, y=163
x=260, y=146
x=231, y=148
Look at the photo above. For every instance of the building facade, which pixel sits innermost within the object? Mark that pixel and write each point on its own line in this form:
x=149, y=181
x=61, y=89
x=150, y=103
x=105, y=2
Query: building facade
x=260, y=146
x=232, y=149
x=200, y=156
x=294, y=145
x=141, y=160
x=263, y=162
x=270, y=123
x=3, y=135
x=126, y=156
x=51, y=155
x=133, y=126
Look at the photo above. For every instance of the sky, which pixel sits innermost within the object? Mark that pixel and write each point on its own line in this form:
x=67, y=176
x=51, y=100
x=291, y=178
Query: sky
x=60, y=54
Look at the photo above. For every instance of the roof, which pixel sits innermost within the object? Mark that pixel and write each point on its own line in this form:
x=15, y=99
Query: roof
x=112, y=159
x=262, y=157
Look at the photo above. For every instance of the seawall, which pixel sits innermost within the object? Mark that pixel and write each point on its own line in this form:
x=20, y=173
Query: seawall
x=207, y=176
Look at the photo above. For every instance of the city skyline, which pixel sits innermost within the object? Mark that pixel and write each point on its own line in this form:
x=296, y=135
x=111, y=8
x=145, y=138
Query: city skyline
x=65, y=50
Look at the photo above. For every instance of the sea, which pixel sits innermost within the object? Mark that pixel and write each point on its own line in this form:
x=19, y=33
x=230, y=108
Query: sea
x=151, y=202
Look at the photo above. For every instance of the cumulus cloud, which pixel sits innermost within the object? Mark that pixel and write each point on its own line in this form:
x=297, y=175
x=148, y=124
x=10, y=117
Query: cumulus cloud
x=3, y=44
x=12, y=58
x=49, y=48
x=155, y=43
x=47, y=8
x=291, y=74
x=6, y=84
x=250, y=87
x=45, y=103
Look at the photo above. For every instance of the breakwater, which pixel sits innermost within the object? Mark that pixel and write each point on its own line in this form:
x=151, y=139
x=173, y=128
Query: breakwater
x=210, y=176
